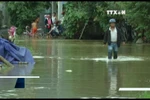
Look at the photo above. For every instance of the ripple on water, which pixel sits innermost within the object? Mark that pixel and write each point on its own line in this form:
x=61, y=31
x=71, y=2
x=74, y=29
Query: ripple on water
x=120, y=58
x=11, y=90
x=8, y=94
x=38, y=88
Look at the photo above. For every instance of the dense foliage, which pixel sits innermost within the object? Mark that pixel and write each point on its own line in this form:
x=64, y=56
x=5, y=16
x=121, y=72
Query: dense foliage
x=23, y=13
x=138, y=15
x=78, y=13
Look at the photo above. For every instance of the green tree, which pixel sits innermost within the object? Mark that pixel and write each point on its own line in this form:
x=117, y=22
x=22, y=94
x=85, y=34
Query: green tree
x=23, y=13
x=138, y=16
x=78, y=13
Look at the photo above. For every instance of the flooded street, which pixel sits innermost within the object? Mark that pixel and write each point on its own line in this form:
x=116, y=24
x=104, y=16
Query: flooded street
x=80, y=69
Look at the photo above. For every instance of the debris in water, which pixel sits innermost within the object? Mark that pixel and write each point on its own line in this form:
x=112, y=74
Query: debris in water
x=69, y=71
x=84, y=98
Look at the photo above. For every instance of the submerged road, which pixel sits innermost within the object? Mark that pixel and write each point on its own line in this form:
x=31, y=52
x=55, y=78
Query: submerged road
x=80, y=69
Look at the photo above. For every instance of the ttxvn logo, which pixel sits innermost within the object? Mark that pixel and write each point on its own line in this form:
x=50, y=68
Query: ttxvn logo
x=116, y=12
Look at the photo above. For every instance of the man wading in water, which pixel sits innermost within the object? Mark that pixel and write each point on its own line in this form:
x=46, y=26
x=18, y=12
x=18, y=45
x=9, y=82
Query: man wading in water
x=114, y=38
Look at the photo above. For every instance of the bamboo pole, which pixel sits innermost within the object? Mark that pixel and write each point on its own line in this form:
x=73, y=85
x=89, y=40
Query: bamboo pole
x=6, y=62
x=83, y=30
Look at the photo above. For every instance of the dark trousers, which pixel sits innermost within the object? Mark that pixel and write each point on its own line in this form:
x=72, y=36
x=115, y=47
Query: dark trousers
x=112, y=48
x=60, y=28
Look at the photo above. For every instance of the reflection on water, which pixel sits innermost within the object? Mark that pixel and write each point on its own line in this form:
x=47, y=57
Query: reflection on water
x=80, y=69
x=21, y=70
x=18, y=70
x=112, y=77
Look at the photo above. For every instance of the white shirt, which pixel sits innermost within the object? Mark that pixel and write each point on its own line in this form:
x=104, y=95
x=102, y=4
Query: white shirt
x=113, y=34
x=53, y=19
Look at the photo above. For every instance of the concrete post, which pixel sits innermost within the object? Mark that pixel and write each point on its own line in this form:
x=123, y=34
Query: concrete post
x=60, y=7
x=53, y=6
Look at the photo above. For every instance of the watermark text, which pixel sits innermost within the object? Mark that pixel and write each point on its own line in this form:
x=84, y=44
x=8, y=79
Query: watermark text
x=116, y=12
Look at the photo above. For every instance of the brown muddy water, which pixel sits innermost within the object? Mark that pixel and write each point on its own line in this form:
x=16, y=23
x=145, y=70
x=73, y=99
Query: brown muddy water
x=80, y=69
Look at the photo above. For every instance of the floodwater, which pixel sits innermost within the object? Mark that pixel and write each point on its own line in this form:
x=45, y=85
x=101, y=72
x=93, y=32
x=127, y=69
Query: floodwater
x=80, y=69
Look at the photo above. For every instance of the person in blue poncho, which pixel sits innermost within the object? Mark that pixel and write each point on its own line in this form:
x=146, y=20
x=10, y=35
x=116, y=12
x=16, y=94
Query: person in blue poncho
x=11, y=52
